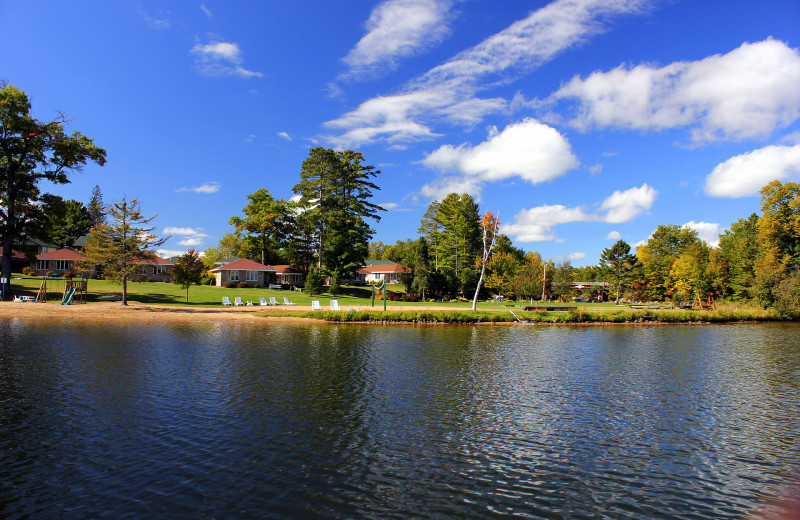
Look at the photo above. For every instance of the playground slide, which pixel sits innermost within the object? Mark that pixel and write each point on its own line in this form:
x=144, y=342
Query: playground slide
x=68, y=297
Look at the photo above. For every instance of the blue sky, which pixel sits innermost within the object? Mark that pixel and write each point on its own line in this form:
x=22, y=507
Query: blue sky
x=579, y=121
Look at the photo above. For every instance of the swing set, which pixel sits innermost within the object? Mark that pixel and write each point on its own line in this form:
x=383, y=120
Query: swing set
x=71, y=286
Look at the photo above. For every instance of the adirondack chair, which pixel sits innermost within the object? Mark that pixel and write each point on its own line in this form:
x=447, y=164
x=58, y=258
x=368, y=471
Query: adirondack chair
x=273, y=301
x=353, y=307
x=262, y=301
x=335, y=305
x=238, y=301
x=286, y=301
x=226, y=301
x=315, y=306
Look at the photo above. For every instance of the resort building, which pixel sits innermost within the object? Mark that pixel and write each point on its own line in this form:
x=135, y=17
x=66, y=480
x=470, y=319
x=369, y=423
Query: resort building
x=243, y=270
x=287, y=275
x=376, y=274
x=155, y=269
x=59, y=262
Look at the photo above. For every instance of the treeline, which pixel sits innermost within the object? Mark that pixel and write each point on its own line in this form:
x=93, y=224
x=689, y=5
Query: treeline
x=757, y=259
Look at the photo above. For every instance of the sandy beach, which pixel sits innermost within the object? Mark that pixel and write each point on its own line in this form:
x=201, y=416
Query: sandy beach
x=144, y=313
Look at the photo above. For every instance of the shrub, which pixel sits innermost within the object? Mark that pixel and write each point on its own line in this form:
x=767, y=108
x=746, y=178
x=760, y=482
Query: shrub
x=208, y=279
x=70, y=274
x=27, y=271
x=510, y=296
x=49, y=274
x=243, y=285
x=256, y=286
x=228, y=284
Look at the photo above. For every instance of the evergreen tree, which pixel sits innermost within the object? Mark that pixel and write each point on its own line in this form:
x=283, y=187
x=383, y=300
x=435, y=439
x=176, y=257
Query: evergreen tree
x=314, y=282
x=65, y=221
x=739, y=248
x=119, y=248
x=97, y=210
x=618, y=262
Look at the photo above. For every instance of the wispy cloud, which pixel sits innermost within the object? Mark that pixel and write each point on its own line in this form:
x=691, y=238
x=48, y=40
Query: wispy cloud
x=745, y=174
x=449, y=92
x=397, y=29
x=614, y=235
x=185, y=231
x=536, y=224
x=155, y=23
x=219, y=58
x=284, y=135
x=748, y=93
x=208, y=187
x=529, y=150
x=206, y=10
x=393, y=206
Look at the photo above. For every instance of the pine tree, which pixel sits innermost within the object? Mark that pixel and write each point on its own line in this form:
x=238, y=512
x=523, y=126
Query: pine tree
x=618, y=262
x=97, y=209
x=119, y=248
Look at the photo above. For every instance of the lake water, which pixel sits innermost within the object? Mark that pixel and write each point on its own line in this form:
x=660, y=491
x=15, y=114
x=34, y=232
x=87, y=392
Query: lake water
x=224, y=420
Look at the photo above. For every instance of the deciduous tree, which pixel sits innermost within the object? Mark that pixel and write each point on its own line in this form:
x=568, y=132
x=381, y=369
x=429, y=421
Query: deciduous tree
x=188, y=271
x=31, y=151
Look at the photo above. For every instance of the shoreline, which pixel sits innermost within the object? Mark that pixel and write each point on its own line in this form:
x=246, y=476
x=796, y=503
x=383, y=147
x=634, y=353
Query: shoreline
x=144, y=313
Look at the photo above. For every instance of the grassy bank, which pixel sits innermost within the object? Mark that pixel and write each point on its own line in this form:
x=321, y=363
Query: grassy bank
x=543, y=317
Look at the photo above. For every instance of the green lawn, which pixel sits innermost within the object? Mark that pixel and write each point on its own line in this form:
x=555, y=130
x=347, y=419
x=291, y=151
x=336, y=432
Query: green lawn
x=160, y=293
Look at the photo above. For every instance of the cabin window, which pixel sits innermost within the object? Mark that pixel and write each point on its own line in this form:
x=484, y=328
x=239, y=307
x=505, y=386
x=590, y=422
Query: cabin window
x=159, y=269
x=62, y=265
x=234, y=276
x=41, y=265
x=252, y=276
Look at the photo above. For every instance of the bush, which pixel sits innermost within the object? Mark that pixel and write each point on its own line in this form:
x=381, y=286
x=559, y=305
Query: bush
x=510, y=296
x=787, y=296
x=228, y=284
x=27, y=271
x=49, y=274
x=243, y=285
x=314, y=283
x=256, y=286
x=70, y=274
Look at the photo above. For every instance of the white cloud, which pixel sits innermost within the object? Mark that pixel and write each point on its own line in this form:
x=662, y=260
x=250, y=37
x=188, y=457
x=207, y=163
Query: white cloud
x=614, y=235
x=707, y=231
x=398, y=29
x=221, y=59
x=190, y=242
x=748, y=93
x=793, y=138
x=206, y=10
x=530, y=150
x=208, y=187
x=747, y=173
x=285, y=135
x=449, y=92
x=624, y=206
x=443, y=186
x=536, y=224
x=184, y=231
x=576, y=256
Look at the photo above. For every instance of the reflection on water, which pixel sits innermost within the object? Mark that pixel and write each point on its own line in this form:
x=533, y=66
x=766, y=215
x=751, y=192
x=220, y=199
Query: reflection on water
x=231, y=420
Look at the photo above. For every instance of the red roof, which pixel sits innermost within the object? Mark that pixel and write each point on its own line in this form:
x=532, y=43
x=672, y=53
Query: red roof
x=61, y=254
x=154, y=260
x=243, y=264
x=384, y=269
x=14, y=253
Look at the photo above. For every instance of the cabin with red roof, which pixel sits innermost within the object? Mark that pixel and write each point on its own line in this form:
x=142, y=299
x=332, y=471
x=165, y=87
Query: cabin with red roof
x=60, y=262
x=243, y=270
x=287, y=275
x=375, y=274
x=153, y=269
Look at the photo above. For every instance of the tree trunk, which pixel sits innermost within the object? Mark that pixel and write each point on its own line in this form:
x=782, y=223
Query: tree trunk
x=478, y=288
x=187, y=294
x=125, y=289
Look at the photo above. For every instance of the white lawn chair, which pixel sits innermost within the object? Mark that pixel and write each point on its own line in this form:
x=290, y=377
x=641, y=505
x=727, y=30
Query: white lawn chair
x=226, y=301
x=315, y=306
x=335, y=305
x=286, y=301
x=238, y=301
x=262, y=301
x=353, y=308
x=273, y=301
